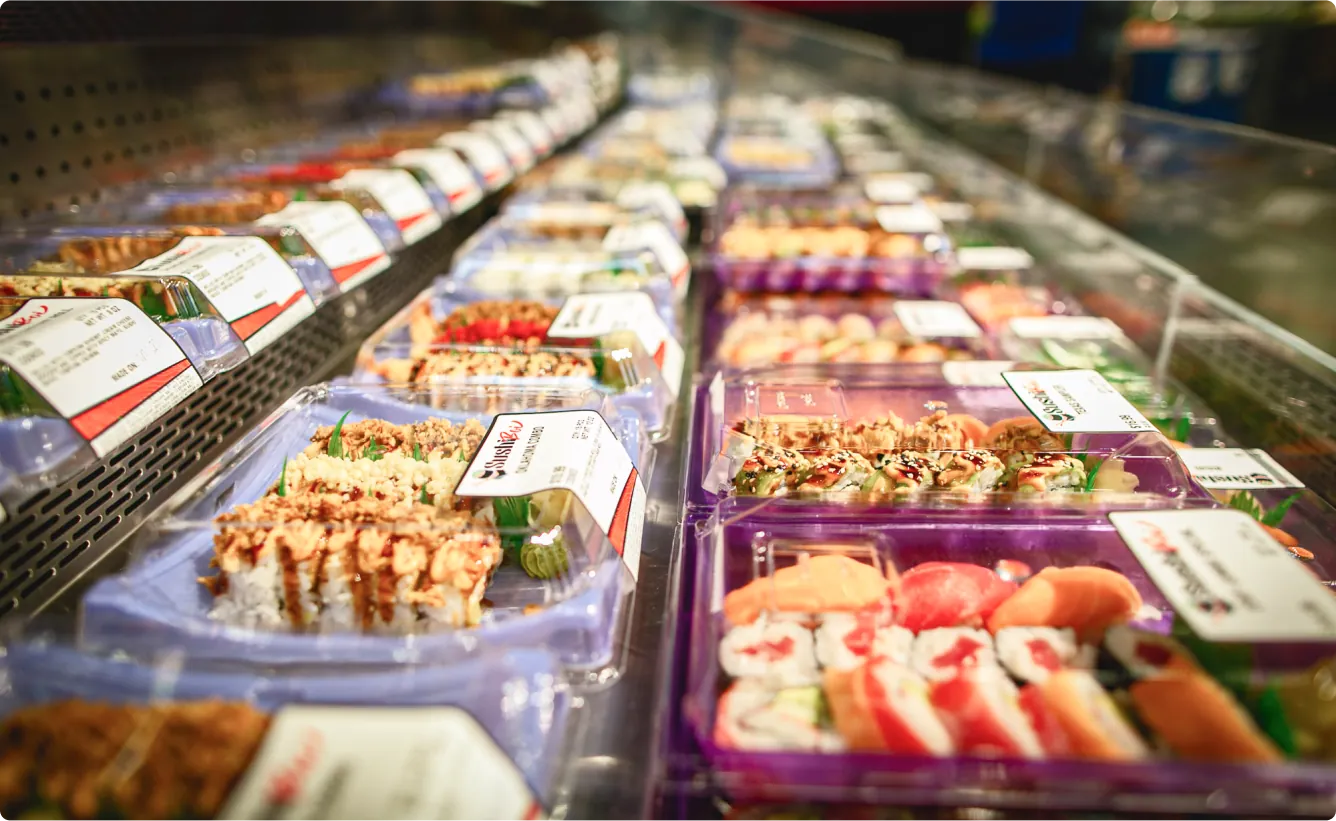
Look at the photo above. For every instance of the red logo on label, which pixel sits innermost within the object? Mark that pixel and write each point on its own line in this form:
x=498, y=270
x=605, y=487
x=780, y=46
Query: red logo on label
x=286, y=784
x=20, y=321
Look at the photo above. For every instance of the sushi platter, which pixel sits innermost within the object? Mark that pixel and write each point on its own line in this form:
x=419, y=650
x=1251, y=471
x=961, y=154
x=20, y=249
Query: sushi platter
x=734, y=459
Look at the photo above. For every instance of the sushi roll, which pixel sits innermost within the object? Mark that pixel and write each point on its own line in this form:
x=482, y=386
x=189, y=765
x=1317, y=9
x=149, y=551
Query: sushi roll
x=1088, y=717
x=944, y=653
x=776, y=653
x=839, y=471
x=1035, y=653
x=1050, y=473
x=771, y=470
x=1087, y=599
x=1044, y=721
x=886, y=706
x=970, y=471
x=981, y=709
x=752, y=716
x=948, y=594
x=818, y=583
x=905, y=471
x=1022, y=433
x=846, y=640
x=1139, y=654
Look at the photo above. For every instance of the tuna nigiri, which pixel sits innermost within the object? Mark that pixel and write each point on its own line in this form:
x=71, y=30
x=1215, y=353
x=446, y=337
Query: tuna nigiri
x=980, y=709
x=1087, y=599
x=885, y=706
x=1090, y=720
x=830, y=582
x=948, y=594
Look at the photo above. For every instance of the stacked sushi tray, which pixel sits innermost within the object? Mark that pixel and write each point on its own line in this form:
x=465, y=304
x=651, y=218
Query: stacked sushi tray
x=852, y=511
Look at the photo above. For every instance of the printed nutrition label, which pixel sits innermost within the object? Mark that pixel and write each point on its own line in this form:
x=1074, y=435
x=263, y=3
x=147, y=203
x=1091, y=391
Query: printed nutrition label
x=339, y=235
x=402, y=197
x=653, y=236
x=483, y=153
x=451, y=174
x=590, y=316
x=1076, y=401
x=103, y=364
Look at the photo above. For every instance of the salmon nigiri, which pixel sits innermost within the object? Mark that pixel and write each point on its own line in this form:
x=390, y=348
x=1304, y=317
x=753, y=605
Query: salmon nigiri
x=1087, y=599
x=816, y=584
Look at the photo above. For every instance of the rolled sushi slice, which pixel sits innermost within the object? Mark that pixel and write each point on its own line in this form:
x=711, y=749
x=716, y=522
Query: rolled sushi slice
x=944, y=653
x=776, y=653
x=771, y=470
x=752, y=716
x=839, y=471
x=846, y=640
x=882, y=705
x=905, y=471
x=948, y=594
x=1047, y=728
x=981, y=709
x=1050, y=473
x=1023, y=433
x=1142, y=654
x=1092, y=723
x=1035, y=653
x=970, y=471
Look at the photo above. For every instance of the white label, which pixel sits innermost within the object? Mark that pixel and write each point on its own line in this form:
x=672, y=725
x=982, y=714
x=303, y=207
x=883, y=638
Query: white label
x=953, y=211
x=483, y=154
x=1236, y=469
x=976, y=374
x=532, y=128
x=883, y=189
x=1064, y=327
x=655, y=195
x=908, y=219
x=920, y=181
x=339, y=235
x=380, y=762
x=402, y=197
x=1076, y=402
x=245, y=279
x=993, y=259
x=875, y=162
x=655, y=237
x=703, y=168
x=100, y=363
x=1102, y=262
x=1227, y=577
x=517, y=150
x=934, y=319
x=555, y=123
x=526, y=453
x=449, y=173
x=589, y=316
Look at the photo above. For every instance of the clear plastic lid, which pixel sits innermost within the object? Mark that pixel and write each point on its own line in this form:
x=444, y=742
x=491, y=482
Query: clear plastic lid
x=72, y=715
x=333, y=534
x=923, y=435
x=917, y=659
x=582, y=204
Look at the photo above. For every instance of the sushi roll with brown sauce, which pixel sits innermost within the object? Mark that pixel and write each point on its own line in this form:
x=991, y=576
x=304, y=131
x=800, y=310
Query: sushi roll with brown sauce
x=970, y=471
x=771, y=470
x=905, y=471
x=1051, y=473
x=839, y=471
x=1022, y=433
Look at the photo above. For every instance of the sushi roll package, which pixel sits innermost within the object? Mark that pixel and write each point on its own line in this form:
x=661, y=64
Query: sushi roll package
x=671, y=88
x=909, y=658
x=614, y=343
x=653, y=200
x=357, y=526
x=99, y=733
x=918, y=435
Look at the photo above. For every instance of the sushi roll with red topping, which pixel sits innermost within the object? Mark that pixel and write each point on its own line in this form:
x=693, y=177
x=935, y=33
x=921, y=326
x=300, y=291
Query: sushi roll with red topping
x=752, y=716
x=946, y=652
x=1035, y=653
x=981, y=709
x=846, y=640
x=882, y=705
x=777, y=653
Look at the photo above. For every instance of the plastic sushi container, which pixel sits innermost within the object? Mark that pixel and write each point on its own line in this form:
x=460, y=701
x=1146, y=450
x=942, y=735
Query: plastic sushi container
x=671, y=88
x=333, y=468
x=470, y=90
x=817, y=241
x=71, y=714
x=751, y=330
x=695, y=181
x=916, y=436
x=589, y=202
x=342, y=228
x=1003, y=663
x=776, y=160
x=998, y=284
x=448, y=336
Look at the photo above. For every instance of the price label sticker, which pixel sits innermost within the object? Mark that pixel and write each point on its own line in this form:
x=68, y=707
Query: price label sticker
x=1227, y=577
x=653, y=236
x=656, y=197
x=993, y=258
x=533, y=130
x=575, y=450
x=1236, y=469
x=908, y=219
x=1064, y=327
x=1077, y=401
x=890, y=190
x=935, y=319
x=450, y=173
x=517, y=150
x=402, y=197
x=591, y=316
x=103, y=364
x=339, y=235
x=484, y=154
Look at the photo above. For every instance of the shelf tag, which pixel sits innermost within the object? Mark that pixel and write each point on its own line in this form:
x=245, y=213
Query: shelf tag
x=1064, y=327
x=908, y=219
x=653, y=235
x=990, y=258
x=1227, y=577
x=483, y=153
x=1076, y=402
x=575, y=450
x=339, y=235
x=448, y=171
x=521, y=156
x=402, y=197
x=534, y=130
x=380, y=762
x=890, y=190
x=103, y=364
x=590, y=316
x=1236, y=469
x=654, y=195
x=245, y=279
x=935, y=319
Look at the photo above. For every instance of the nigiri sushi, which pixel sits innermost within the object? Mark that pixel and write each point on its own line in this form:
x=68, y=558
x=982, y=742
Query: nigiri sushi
x=948, y=594
x=1087, y=599
x=1035, y=653
x=816, y=584
x=846, y=640
x=972, y=471
x=944, y=653
x=752, y=716
x=778, y=653
x=882, y=705
x=1091, y=721
x=981, y=710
